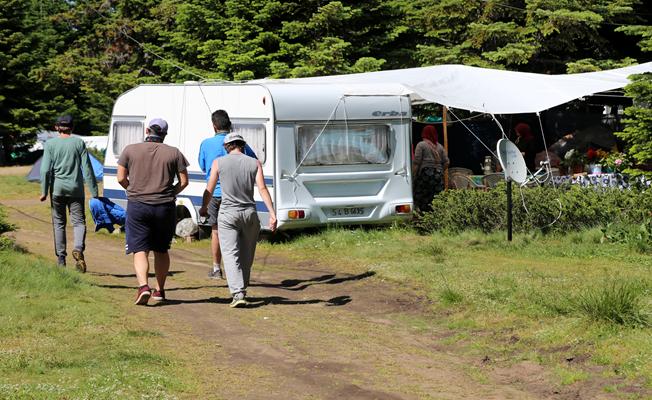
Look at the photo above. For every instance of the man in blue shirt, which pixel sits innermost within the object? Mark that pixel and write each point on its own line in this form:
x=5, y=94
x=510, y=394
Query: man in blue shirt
x=209, y=150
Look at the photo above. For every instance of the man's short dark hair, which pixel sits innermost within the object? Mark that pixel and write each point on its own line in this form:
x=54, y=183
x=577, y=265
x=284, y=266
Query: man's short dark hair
x=221, y=120
x=230, y=146
x=156, y=130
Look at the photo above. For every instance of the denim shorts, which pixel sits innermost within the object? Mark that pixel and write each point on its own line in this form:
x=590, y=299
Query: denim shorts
x=214, y=210
x=149, y=226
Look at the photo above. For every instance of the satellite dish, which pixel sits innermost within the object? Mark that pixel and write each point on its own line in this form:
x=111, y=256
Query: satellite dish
x=511, y=160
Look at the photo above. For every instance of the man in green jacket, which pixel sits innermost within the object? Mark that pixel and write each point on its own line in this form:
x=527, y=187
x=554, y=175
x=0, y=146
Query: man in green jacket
x=64, y=168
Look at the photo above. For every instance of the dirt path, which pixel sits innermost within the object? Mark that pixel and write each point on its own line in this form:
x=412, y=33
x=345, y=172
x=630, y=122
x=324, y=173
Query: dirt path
x=311, y=332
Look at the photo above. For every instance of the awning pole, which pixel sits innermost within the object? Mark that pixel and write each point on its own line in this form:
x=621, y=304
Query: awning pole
x=509, y=209
x=445, y=125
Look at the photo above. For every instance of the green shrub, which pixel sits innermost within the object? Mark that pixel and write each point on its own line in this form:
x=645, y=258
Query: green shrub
x=4, y=225
x=637, y=236
x=615, y=302
x=6, y=243
x=545, y=208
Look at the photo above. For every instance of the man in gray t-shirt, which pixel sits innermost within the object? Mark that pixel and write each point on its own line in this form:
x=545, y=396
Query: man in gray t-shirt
x=238, y=223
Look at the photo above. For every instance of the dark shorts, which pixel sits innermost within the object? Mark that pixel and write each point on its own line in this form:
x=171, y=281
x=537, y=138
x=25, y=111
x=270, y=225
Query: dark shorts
x=149, y=226
x=213, y=210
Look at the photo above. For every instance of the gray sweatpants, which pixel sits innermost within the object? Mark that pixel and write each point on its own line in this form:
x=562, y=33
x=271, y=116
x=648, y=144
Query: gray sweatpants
x=238, y=231
x=77, y=217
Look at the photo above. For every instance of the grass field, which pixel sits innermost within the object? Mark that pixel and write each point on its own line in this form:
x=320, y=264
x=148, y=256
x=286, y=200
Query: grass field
x=569, y=302
x=566, y=301
x=61, y=337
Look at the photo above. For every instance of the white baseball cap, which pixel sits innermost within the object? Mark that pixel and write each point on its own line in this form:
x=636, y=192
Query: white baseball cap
x=233, y=137
x=161, y=124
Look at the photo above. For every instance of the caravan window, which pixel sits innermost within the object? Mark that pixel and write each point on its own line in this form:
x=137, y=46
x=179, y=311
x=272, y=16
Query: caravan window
x=342, y=144
x=254, y=135
x=125, y=133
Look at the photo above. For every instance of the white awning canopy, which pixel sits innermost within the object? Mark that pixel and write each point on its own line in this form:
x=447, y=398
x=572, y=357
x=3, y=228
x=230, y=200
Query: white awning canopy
x=478, y=89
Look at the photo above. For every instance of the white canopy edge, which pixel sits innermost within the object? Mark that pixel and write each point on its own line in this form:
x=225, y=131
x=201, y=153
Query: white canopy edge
x=477, y=89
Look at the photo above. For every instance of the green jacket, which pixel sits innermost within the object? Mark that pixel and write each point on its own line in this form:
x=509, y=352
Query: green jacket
x=65, y=166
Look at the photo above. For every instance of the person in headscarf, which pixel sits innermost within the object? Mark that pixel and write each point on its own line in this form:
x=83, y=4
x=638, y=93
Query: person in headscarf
x=430, y=160
x=526, y=143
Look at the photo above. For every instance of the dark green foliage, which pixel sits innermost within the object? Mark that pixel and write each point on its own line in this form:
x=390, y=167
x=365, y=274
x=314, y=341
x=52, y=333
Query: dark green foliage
x=4, y=225
x=638, y=122
x=27, y=40
x=77, y=57
x=459, y=210
x=638, y=236
x=548, y=209
x=533, y=35
x=5, y=242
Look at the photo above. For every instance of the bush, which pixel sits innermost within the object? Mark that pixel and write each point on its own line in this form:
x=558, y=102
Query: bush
x=544, y=208
x=637, y=236
x=6, y=243
x=4, y=225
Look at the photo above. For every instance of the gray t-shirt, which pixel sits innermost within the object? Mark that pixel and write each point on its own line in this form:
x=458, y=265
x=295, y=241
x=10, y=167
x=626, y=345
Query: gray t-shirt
x=237, y=177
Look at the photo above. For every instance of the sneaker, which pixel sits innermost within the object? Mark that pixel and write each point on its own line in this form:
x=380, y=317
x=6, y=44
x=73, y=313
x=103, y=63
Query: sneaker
x=80, y=264
x=144, y=293
x=158, y=295
x=238, y=300
x=61, y=261
x=215, y=274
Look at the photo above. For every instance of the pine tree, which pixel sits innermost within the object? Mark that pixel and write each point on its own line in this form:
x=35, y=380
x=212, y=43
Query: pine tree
x=546, y=36
x=27, y=41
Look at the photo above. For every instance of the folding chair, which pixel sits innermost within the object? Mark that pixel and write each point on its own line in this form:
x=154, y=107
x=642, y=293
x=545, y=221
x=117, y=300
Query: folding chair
x=491, y=180
x=462, y=181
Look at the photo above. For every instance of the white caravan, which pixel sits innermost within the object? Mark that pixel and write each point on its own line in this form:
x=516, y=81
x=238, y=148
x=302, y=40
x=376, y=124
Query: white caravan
x=327, y=158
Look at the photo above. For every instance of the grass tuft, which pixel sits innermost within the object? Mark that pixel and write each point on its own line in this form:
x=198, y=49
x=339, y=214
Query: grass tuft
x=450, y=296
x=617, y=302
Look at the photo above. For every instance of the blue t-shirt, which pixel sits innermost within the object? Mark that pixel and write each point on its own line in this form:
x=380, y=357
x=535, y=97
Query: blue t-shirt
x=211, y=149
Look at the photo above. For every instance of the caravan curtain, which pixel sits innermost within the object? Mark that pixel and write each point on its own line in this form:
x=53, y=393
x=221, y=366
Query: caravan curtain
x=254, y=135
x=126, y=133
x=342, y=145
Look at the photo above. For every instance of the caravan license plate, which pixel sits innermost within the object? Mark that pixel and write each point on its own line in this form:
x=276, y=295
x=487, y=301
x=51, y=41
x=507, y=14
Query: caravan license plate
x=347, y=211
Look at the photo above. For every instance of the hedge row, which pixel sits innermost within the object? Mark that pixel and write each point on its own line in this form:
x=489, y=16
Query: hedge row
x=550, y=209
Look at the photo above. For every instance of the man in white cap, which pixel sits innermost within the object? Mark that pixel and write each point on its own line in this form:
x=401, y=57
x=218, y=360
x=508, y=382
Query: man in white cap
x=238, y=223
x=147, y=171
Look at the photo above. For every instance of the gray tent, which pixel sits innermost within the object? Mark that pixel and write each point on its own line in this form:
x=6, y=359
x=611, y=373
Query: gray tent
x=34, y=174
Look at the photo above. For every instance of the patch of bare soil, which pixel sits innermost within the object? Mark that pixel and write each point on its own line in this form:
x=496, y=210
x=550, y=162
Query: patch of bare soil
x=17, y=170
x=310, y=331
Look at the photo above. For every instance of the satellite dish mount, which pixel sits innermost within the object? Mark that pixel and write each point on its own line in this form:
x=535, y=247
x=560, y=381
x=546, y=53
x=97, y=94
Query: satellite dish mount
x=513, y=164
